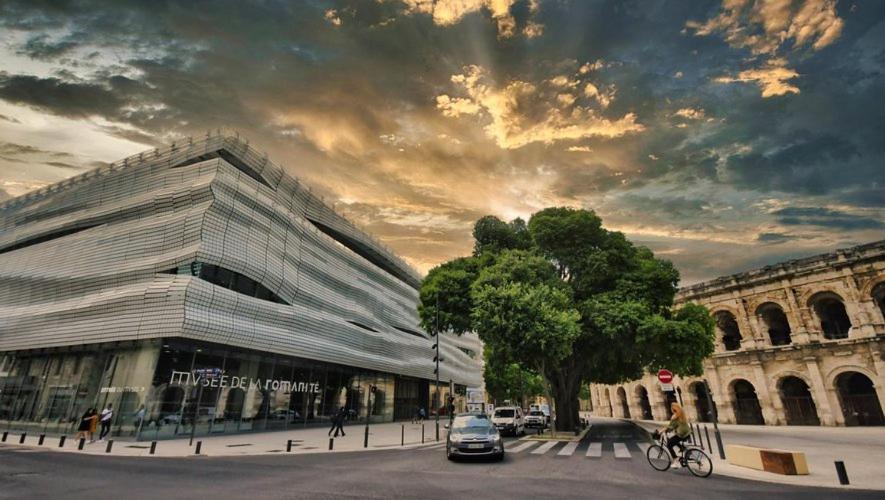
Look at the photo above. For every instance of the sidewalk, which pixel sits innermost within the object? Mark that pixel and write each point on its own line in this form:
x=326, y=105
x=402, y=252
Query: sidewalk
x=310, y=440
x=861, y=448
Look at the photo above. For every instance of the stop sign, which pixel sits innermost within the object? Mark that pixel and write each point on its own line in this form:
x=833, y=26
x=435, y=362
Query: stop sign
x=665, y=376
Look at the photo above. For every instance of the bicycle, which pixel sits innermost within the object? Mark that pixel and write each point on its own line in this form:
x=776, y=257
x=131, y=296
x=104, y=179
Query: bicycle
x=690, y=457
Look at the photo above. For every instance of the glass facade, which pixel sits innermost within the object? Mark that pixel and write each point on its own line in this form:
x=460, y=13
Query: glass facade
x=169, y=388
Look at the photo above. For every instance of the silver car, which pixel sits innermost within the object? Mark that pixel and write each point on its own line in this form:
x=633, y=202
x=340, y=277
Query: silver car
x=474, y=435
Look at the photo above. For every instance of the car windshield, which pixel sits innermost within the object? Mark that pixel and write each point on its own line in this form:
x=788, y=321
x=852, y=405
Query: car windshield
x=504, y=413
x=471, y=424
x=536, y=413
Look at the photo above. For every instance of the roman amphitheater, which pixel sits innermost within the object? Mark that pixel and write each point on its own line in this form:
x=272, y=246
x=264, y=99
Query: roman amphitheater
x=797, y=343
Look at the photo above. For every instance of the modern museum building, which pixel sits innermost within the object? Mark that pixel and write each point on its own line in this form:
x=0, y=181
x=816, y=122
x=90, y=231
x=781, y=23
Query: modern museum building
x=201, y=288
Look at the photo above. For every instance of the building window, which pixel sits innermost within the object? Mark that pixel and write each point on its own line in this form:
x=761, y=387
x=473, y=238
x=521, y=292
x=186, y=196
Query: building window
x=775, y=322
x=233, y=280
x=728, y=330
x=830, y=310
x=46, y=237
x=879, y=297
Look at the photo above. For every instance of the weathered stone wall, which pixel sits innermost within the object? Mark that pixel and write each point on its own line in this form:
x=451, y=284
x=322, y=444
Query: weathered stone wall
x=807, y=291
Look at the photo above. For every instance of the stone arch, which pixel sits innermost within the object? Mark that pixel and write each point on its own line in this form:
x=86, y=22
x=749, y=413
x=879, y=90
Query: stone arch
x=701, y=404
x=773, y=318
x=795, y=394
x=727, y=330
x=622, y=400
x=608, y=402
x=859, y=399
x=643, y=402
x=829, y=309
x=839, y=370
x=747, y=409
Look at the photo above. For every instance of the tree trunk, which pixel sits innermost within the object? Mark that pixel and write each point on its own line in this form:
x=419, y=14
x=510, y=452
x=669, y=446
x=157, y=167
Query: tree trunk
x=565, y=389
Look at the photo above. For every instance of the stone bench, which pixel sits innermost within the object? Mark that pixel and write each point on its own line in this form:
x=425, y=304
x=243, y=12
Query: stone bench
x=785, y=462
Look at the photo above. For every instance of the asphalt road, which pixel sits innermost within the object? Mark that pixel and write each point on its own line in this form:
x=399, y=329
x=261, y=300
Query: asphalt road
x=421, y=473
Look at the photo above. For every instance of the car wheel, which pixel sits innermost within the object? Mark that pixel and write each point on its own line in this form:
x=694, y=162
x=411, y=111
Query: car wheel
x=500, y=457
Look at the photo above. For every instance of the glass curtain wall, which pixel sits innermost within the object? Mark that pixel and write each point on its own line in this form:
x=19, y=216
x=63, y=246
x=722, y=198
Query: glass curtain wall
x=174, y=388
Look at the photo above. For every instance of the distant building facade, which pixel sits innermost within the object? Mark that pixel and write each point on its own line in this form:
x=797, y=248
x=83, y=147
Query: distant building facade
x=207, y=286
x=797, y=343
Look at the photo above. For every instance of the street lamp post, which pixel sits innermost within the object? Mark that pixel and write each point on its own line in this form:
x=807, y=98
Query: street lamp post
x=436, y=369
x=715, y=414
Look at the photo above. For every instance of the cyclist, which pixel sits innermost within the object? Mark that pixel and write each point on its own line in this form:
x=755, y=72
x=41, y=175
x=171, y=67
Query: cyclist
x=678, y=424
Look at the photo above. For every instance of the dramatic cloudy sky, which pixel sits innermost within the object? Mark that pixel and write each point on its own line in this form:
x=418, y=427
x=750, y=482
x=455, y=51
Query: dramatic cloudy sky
x=723, y=134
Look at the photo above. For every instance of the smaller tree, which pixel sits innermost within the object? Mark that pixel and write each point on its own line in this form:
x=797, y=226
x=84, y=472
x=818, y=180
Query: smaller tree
x=506, y=379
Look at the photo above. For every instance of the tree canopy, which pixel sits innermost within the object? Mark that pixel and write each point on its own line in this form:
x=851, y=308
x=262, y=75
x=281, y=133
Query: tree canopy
x=569, y=300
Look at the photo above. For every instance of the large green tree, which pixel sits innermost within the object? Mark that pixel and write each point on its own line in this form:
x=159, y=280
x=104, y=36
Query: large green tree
x=569, y=300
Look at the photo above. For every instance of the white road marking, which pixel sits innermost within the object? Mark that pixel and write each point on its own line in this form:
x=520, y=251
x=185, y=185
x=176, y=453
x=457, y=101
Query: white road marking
x=568, y=449
x=621, y=451
x=523, y=446
x=595, y=450
x=544, y=448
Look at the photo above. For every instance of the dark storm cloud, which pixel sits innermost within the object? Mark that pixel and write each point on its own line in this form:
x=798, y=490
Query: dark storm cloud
x=773, y=238
x=825, y=217
x=59, y=97
x=41, y=47
x=807, y=164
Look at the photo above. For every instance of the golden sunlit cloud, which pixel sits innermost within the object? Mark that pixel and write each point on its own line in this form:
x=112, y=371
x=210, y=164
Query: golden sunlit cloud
x=765, y=27
x=773, y=78
x=449, y=12
x=519, y=113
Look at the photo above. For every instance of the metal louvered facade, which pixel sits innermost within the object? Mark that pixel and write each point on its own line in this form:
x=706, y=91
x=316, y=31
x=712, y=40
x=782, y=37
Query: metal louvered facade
x=207, y=242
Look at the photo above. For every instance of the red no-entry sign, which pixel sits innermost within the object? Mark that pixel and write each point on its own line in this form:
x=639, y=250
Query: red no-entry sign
x=665, y=376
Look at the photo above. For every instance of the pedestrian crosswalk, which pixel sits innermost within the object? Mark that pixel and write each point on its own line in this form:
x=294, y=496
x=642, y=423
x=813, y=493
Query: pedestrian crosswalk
x=568, y=449
x=595, y=449
x=621, y=450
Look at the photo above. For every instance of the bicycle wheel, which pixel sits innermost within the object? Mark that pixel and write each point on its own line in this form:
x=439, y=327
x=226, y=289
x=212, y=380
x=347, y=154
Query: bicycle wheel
x=698, y=462
x=658, y=457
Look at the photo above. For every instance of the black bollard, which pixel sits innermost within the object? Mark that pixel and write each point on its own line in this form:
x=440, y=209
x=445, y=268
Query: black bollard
x=82, y=444
x=21, y=440
x=841, y=472
x=709, y=444
x=61, y=441
x=422, y=433
x=402, y=437
x=109, y=446
x=288, y=445
x=700, y=440
x=331, y=443
x=153, y=447
x=199, y=447
x=42, y=438
x=366, y=438
x=719, y=443
x=4, y=436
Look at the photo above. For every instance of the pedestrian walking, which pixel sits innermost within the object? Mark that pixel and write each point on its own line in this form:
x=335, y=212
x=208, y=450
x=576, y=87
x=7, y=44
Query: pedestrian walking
x=85, y=425
x=339, y=422
x=93, y=423
x=422, y=415
x=139, y=420
x=107, y=416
